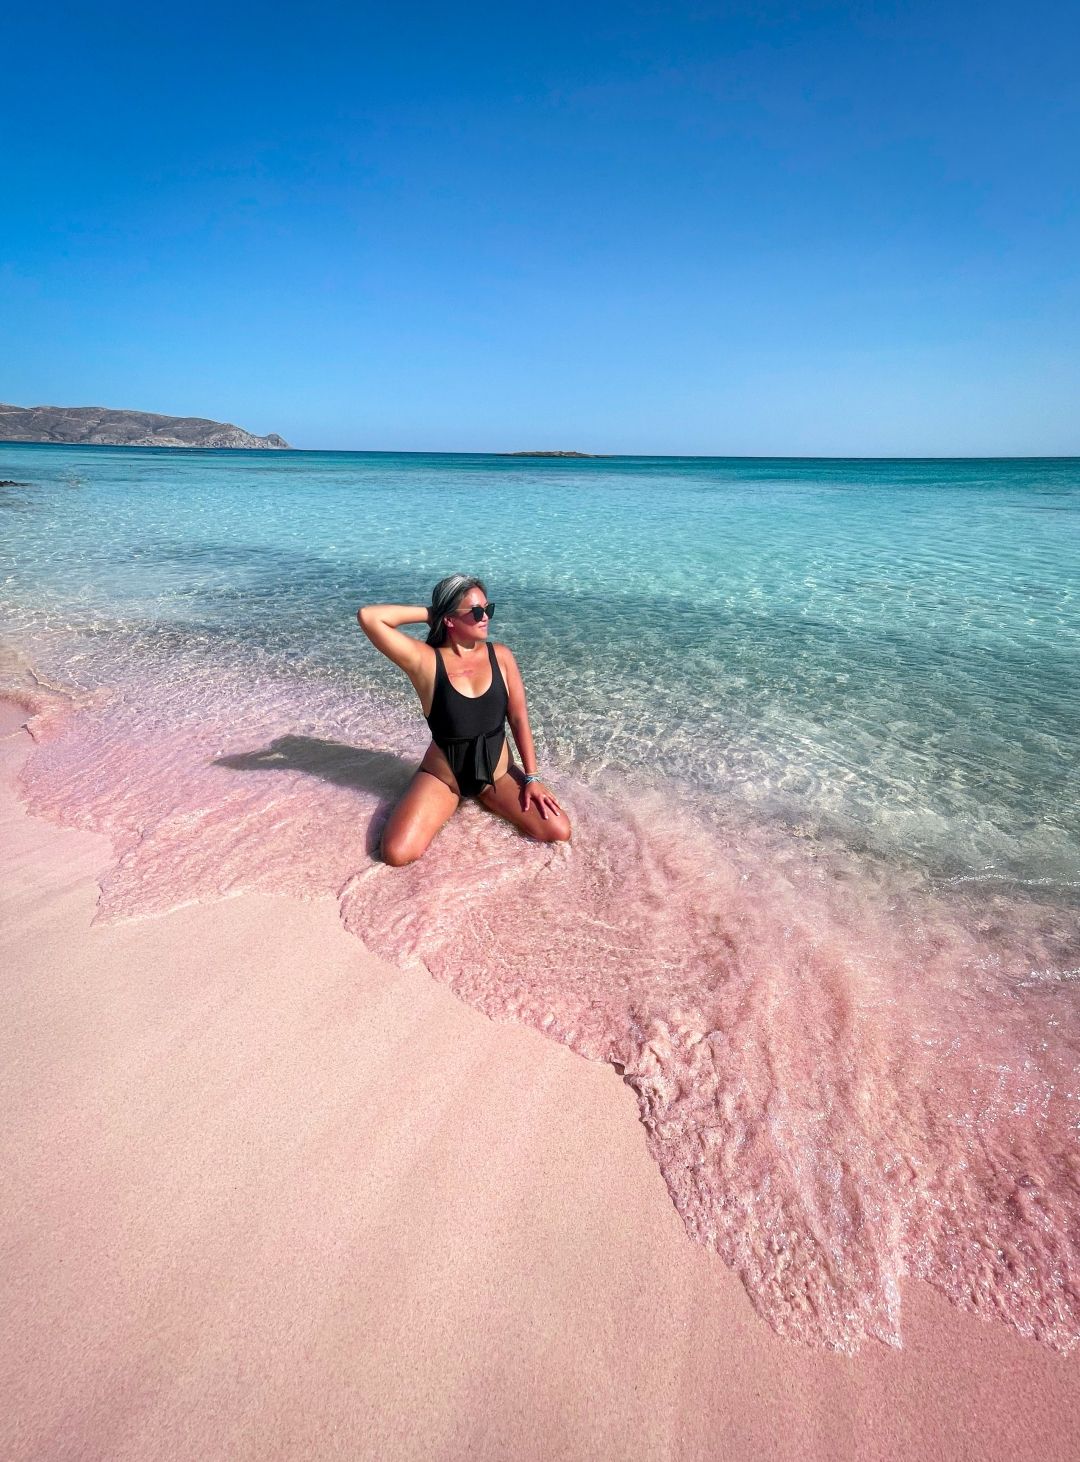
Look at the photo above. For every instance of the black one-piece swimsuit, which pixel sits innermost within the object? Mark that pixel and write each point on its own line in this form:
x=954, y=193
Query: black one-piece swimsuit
x=469, y=730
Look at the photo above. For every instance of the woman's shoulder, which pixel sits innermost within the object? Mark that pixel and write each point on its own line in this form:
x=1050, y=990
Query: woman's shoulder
x=504, y=657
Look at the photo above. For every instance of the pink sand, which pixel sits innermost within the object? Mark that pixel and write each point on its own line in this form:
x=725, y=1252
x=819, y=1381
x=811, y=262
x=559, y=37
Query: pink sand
x=267, y=1196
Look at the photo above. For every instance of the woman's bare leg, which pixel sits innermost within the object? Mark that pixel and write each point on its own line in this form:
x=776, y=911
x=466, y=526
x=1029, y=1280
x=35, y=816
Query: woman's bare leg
x=504, y=799
x=425, y=805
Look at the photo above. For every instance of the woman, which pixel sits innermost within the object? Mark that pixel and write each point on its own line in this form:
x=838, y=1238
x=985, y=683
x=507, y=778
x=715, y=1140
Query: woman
x=467, y=687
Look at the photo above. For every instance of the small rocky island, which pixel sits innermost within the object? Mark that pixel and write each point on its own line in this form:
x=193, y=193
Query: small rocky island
x=101, y=426
x=547, y=454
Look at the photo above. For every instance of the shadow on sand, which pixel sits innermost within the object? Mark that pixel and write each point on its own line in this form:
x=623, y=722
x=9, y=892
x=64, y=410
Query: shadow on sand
x=364, y=770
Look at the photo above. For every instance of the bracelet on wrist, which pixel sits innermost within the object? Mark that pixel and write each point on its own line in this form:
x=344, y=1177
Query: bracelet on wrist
x=532, y=777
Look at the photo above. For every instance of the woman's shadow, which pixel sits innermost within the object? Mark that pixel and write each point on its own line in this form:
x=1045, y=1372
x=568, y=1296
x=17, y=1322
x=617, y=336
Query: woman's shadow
x=361, y=768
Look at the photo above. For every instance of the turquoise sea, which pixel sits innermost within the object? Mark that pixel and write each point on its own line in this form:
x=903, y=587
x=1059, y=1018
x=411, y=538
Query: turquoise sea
x=817, y=727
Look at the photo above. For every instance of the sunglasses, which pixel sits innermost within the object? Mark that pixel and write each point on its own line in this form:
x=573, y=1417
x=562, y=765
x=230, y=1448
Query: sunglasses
x=478, y=612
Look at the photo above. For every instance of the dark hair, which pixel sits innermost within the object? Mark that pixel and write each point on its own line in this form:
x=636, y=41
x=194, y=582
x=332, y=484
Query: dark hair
x=445, y=598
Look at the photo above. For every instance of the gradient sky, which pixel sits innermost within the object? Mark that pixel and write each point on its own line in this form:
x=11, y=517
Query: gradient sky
x=689, y=228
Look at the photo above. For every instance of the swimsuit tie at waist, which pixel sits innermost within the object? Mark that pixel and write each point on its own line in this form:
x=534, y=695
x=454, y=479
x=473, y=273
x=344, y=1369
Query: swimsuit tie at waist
x=472, y=755
x=455, y=740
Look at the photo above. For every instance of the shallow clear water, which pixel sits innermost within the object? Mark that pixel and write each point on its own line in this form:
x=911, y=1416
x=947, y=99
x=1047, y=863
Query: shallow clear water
x=886, y=650
x=816, y=725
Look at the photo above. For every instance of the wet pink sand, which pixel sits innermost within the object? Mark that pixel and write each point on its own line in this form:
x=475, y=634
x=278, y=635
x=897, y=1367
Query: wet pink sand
x=844, y=1076
x=267, y=1196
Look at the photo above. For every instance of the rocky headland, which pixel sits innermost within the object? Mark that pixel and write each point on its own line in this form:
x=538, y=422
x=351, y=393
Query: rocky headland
x=548, y=454
x=102, y=426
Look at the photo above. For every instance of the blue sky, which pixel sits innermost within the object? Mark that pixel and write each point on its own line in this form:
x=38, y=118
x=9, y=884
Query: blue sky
x=687, y=228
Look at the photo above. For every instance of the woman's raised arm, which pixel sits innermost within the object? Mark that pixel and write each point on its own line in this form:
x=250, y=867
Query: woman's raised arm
x=379, y=622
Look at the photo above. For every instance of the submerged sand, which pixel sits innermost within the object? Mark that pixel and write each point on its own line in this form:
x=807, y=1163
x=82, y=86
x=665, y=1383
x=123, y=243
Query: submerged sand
x=267, y=1196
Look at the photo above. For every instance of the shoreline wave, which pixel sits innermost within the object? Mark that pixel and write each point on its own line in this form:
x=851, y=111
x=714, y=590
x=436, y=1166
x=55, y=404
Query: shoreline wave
x=844, y=1075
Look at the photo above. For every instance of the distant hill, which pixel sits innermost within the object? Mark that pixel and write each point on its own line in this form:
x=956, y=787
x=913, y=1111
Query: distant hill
x=100, y=426
x=546, y=454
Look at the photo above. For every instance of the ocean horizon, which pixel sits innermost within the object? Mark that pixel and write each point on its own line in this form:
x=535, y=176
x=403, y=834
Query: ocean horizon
x=555, y=455
x=816, y=722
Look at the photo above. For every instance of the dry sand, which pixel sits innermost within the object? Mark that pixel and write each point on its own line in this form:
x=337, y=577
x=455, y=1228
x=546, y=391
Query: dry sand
x=266, y=1196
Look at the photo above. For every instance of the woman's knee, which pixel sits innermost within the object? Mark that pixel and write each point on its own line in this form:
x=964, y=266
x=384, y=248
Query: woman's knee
x=398, y=851
x=556, y=831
